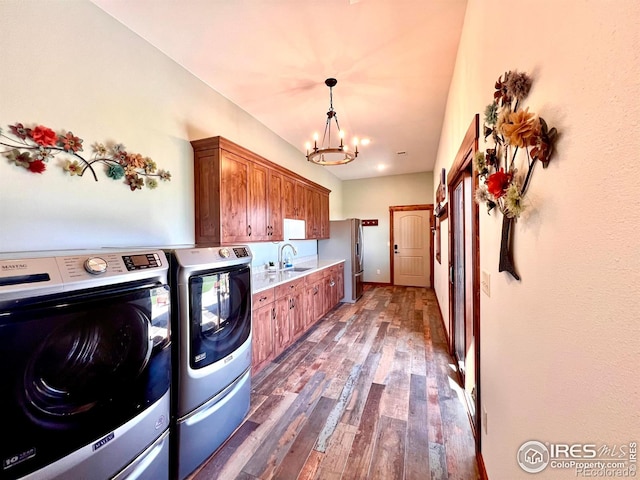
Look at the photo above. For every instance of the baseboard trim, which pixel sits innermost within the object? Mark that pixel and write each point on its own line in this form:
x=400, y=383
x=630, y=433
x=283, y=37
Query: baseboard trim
x=481, y=467
x=446, y=330
x=376, y=284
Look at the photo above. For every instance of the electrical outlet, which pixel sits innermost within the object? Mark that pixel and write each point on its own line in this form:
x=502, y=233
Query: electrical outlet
x=378, y=272
x=485, y=283
x=485, y=420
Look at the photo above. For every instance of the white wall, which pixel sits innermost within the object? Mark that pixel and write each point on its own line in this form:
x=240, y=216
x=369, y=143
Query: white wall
x=560, y=348
x=370, y=198
x=70, y=66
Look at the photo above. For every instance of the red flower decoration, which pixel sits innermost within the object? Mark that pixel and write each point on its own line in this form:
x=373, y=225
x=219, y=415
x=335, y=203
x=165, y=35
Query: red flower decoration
x=498, y=182
x=20, y=131
x=37, y=166
x=44, y=136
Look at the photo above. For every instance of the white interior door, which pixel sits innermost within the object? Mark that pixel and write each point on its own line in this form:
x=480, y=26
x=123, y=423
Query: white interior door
x=412, y=248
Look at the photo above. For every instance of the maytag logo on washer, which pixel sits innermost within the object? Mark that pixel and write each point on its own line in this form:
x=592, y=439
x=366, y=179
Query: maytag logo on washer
x=103, y=441
x=14, y=266
x=533, y=456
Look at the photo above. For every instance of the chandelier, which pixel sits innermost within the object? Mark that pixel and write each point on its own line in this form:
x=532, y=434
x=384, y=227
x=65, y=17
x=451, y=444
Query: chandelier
x=326, y=154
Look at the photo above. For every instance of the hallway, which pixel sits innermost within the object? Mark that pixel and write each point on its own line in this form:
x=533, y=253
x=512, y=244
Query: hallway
x=368, y=393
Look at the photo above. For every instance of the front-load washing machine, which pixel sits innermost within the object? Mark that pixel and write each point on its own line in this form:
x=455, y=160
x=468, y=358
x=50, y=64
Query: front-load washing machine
x=85, y=361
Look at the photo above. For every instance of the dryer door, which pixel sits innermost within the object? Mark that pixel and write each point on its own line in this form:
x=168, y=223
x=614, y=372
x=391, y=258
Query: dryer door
x=220, y=314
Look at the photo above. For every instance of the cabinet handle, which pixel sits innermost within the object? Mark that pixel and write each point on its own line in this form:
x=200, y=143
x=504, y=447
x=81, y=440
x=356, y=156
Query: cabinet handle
x=273, y=314
x=249, y=229
x=332, y=284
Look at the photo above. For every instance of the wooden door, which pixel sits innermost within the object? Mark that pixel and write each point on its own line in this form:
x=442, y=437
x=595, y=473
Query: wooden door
x=262, y=336
x=464, y=269
x=412, y=247
x=234, y=199
x=276, y=207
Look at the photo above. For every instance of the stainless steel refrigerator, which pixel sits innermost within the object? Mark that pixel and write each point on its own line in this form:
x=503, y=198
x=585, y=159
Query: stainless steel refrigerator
x=345, y=242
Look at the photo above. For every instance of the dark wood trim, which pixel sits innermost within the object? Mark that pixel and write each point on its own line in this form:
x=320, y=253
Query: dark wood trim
x=482, y=470
x=462, y=164
x=408, y=208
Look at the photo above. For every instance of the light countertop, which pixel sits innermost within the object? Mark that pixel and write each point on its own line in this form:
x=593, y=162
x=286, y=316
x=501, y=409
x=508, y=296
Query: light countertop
x=262, y=279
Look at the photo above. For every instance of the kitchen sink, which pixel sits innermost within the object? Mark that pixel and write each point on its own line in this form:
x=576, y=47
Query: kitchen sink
x=301, y=269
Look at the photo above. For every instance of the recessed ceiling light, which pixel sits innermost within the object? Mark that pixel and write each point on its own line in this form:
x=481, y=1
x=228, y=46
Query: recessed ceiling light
x=381, y=167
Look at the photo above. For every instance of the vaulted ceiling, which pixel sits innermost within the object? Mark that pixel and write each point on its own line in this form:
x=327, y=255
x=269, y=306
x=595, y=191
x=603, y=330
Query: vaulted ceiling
x=393, y=60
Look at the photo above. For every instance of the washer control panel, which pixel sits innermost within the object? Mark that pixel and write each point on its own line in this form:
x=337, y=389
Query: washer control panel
x=95, y=265
x=141, y=261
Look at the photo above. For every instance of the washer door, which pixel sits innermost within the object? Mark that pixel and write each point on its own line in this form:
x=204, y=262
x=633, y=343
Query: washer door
x=81, y=362
x=76, y=366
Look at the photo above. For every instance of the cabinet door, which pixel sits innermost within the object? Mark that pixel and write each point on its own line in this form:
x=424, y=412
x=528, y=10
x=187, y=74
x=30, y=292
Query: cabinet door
x=340, y=281
x=262, y=341
x=316, y=298
x=207, y=199
x=282, y=329
x=289, y=197
x=234, y=198
x=297, y=313
x=324, y=215
x=313, y=213
x=301, y=201
x=258, y=203
x=276, y=206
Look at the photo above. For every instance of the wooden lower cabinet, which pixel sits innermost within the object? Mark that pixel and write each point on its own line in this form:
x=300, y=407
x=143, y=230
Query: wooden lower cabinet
x=262, y=322
x=280, y=315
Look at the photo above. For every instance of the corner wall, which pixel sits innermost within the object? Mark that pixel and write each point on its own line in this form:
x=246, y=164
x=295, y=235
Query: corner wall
x=559, y=349
x=370, y=198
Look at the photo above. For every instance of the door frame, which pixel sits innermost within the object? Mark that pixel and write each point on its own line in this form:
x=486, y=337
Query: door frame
x=463, y=163
x=408, y=208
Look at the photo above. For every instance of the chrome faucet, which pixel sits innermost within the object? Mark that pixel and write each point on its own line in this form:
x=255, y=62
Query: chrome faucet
x=280, y=250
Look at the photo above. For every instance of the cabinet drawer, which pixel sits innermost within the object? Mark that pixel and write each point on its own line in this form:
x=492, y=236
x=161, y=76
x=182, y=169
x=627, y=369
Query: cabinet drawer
x=289, y=287
x=264, y=297
x=315, y=276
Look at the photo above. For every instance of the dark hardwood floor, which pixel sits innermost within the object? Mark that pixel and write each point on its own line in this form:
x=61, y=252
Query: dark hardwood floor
x=370, y=392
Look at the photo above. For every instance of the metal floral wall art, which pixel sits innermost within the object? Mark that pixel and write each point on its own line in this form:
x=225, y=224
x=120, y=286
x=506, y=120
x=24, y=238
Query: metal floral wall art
x=33, y=148
x=510, y=129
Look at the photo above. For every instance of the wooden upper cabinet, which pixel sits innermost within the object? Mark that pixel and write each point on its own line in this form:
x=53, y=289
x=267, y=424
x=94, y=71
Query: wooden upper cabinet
x=234, y=198
x=276, y=206
x=258, y=203
x=241, y=197
x=294, y=199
